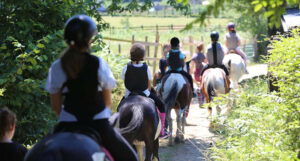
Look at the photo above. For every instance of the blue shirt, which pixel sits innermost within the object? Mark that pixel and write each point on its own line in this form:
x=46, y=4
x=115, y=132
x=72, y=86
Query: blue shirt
x=181, y=56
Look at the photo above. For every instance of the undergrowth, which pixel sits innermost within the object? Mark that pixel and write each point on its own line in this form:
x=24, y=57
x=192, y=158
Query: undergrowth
x=261, y=125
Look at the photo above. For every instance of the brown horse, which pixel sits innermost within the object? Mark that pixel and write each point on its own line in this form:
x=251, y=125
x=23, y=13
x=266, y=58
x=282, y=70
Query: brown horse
x=214, y=82
x=140, y=125
x=176, y=94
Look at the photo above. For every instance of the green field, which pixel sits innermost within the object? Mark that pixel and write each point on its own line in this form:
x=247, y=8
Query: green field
x=123, y=28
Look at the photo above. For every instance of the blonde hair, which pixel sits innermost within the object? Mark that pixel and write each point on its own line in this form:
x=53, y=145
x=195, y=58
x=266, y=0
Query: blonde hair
x=200, y=47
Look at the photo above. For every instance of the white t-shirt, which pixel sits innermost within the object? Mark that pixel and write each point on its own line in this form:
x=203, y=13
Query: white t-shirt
x=57, y=77
x=127, y=92
x=220, y=54
x=232, y=40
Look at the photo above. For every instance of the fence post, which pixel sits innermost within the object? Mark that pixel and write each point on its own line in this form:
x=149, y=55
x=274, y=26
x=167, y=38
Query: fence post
x=147, y=49
x=132, y=39
x=155, y=52
x=191, y=45
x=156, y=28
x=119, y=47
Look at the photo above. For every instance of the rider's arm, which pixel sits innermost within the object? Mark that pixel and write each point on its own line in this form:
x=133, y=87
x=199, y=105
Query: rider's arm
x=149, y=78
x=56, y=101
x=226, y=41
x=106, y=94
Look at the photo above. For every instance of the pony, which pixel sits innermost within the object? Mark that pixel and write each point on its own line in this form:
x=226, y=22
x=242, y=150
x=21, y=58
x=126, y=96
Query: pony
x=236, y=67
x=67, y=146
x=139, y=123
x=213, y=83
x=176, y=93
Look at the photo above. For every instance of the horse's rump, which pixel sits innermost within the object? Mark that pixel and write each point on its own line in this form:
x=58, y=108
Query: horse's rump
x=172, y=84
x=137, y=114
x=67, y=146
x=214, y=81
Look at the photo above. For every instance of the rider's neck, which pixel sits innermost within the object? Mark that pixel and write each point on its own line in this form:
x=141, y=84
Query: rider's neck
x=135, y=62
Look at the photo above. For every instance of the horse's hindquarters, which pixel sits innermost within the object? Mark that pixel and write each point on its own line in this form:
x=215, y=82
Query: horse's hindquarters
x=67, y=147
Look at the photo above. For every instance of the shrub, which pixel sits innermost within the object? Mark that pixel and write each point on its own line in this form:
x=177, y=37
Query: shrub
x=264, y=126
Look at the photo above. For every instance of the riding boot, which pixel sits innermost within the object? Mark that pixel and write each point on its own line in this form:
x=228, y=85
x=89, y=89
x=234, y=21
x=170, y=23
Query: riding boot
x=162, y=119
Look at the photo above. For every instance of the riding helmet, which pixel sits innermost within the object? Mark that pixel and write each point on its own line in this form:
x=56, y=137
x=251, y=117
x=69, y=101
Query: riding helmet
x=79, y=30
x=137, y=52
x=231, y=26
x=174, y=42
x=214, y=36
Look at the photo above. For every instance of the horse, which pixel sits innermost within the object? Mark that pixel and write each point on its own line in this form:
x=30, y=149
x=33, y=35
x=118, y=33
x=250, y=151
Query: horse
x=176, y=94
x=236, y=67
x=67, y=146
x=214, y=82
x=140, y=125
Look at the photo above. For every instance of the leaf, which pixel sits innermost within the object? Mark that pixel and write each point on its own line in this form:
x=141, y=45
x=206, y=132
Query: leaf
x=36, y=51
x=19, y=71
x=39, y=45
x=258, y=7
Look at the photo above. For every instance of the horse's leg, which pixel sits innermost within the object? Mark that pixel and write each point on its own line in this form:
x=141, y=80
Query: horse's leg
x=207, y=100
x=183, y=126
x=170, y=125
x=140, y=151
x=149, y=149
x=155, y=150
x=179, y=122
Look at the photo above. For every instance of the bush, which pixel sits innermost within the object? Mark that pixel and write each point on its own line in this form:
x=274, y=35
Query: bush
x=265, y=126
x=30, y=40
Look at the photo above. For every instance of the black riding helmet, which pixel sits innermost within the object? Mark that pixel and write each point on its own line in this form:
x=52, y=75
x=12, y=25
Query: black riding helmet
x=174, y=42
x=214, y=36
x=79, y=30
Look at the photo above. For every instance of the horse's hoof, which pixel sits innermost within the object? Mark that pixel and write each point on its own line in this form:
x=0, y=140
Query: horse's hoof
x=170, y=144
x=177, y=140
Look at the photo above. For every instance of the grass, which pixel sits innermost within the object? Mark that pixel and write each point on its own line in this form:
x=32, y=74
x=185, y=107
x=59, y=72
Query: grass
x=122, y=31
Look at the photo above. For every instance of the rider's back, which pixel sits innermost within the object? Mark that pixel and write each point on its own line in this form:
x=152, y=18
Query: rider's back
x=232, y=39
x=210, y=54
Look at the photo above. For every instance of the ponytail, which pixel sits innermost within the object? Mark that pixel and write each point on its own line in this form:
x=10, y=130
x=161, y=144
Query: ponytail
x=73, y=61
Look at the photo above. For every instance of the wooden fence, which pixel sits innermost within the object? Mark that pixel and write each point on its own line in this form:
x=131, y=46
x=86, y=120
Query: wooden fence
x=250, y=47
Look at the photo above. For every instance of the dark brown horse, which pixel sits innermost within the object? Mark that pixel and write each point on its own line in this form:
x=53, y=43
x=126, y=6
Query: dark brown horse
x=140, y=125
x=176, y=94
x=66, y=146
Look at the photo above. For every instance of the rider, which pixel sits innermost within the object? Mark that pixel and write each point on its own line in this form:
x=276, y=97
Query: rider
x=233, y=41
x=175, y=60
x=196, y=66
x=137, y=78
x=86, y=82
x=162, y=63
x=215, y=54
x=9, y=151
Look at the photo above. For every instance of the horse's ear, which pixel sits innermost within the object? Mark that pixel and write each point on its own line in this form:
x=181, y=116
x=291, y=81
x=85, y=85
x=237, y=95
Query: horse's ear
x=114, y=119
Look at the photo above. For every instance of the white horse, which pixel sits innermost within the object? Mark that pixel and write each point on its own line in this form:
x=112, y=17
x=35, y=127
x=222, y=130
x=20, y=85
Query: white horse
x=236, y=67
x=213, y=84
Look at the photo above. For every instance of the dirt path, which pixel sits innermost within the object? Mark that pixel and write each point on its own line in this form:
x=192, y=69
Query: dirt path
x=198, y=139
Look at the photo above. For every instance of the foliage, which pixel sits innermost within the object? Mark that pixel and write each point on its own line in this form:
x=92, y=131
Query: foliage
x=30, y=40
x=265, y=126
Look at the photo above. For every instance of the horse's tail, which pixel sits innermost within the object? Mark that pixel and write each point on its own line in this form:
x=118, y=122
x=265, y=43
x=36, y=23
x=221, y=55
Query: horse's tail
x=172, y=95
x=210, y=90
x=136, y=119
